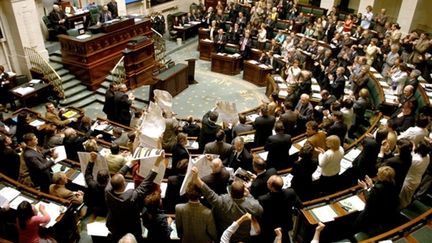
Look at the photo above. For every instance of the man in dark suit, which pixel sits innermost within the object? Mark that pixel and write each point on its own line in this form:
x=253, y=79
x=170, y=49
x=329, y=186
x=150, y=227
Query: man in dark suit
x=263, y=58
x=339, y=128
x=272, y=62
x=122, y=104
x=219, y=178
x=172, y=196
x=245, y=45
x=38, y=163
x=59, y=19
x=338, y=83
x=112, y=7
x=235, y=34
x=278, y=147
x=259, y=184
x=209, y=128
x=408, y=95
x=278, y=207
x=289, y=118
x=220, y=41
x=263, y=126
x=219, y=146
x=274, y=47
x=304, y=110
x=108, y=108
x=73, y=143
x=239, y=156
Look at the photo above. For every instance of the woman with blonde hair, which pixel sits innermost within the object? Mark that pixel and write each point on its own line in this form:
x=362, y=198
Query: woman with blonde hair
x=329, y=162
x=382, y=201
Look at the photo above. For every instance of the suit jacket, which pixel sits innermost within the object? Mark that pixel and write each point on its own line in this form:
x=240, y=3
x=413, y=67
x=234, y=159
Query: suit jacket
x=108, y=108
x=172, y=196
x=218, y=181
x=39, y=168
x=178, y=153
x=122, y=106
x=94, y=196
x=243, y=160
x=195, y=223
x=289, y=120
x=62, y=192
x=208, y=131
x=259, y=185
x=338, y=86
x=278, y=147
x=55, y=17
x=226, y=210
x=278, y=210
x=221, y=148
x=263, y=129
x=339, y=129
x=54, y=118
x=124, y=209
x=11, y=165
x=73, y=145
x=112, y=7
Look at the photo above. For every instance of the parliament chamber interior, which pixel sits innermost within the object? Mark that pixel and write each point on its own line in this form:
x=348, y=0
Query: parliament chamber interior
x=215, y=121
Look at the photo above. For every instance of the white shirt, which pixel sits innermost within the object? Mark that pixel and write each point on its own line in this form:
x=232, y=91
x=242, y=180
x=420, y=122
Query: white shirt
x=415, y=134
x=417, y=169
x=366, y=21
x=330, y=161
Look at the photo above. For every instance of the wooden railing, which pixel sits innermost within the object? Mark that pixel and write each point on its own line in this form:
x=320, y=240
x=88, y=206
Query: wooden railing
x=41, y=66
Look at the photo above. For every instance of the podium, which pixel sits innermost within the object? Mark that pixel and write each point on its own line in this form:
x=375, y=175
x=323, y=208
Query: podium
x=139, y=61
x=191, y=70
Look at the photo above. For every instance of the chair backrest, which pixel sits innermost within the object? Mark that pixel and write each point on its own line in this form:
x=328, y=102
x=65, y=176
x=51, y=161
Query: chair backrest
x=47, y=22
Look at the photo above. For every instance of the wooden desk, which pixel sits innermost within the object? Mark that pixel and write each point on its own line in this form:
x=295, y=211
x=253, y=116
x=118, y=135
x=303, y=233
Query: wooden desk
x=93, y=58
x=206, y=47
x=173, y=80
x=226, y=64
x=203, y=33
x=188, y=30
x=255, y=72
x=79, y=20
x=29, y=90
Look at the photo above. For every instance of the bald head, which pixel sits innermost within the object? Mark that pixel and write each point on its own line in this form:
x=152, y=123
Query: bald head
x=216, y=165
x=275, y=183
x=118, y=183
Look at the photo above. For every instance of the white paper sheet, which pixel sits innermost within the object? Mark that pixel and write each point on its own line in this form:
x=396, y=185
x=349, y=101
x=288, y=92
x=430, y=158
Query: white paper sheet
x=147, y=164
x=324, y=213
x=293, y=150
x=152, y=127
x=227, y=111
x=61, y=152
x=263, y=155
x=58, y=168
x=353, y=203
x=204, y=169
x=352, y=154
x=36, y=123
x=97, y=229
x=53, y=210
x=19, y=199
x=99, y=164
x=23, y=90
x=344, y=165
x=164, y=99
x=80, y=180
x=287, y=180
x=9, y=193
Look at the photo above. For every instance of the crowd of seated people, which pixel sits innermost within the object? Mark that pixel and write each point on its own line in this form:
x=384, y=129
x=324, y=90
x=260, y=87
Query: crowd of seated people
x=58, y=17
x=398, y=164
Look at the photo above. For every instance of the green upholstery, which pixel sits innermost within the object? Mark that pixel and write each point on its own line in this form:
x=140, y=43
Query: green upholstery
x=374, y=93
x=73, y=32
x=414, y=210
x=361, y=236
x=423, y=234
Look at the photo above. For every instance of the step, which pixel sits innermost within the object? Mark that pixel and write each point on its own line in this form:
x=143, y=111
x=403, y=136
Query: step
x=68, y=77
x=77, y=90
x=56, y=53
x=57, y=59
x=71, y=84
x=82, y=103
x=56, y=66
x=101, y=91
x=106, y=83
x=72, y=100
x=62, y=72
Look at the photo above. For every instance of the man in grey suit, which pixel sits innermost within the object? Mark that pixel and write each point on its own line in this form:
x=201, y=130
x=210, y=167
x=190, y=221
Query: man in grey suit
x=218, y=146
x=194, y=221
x=227, y=208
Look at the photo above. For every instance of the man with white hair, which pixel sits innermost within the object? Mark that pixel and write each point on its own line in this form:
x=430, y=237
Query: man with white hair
x=58, y=19
x=122, y=104
x=304, y=110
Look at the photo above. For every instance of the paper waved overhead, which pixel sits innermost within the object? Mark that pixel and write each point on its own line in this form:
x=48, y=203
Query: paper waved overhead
x=142, y=153
x=146, y=164
x=227, y=111
x=203, y=166
x=164, y=99
x=100, y=163
x=152, y=127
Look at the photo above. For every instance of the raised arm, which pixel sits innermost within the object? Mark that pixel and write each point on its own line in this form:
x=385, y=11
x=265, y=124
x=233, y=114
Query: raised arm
x=91, y=182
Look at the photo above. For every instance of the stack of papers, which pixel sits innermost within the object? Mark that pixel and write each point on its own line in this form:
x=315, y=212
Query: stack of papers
x=36, y=123
x=98, y=227
x=19, y=199
x=83, y=37
x=9, y=193
x=352, y=154
x=23, y=90
x=324, y=214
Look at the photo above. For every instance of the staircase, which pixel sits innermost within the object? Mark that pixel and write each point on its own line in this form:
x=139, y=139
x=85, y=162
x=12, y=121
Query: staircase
x=77, y=94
